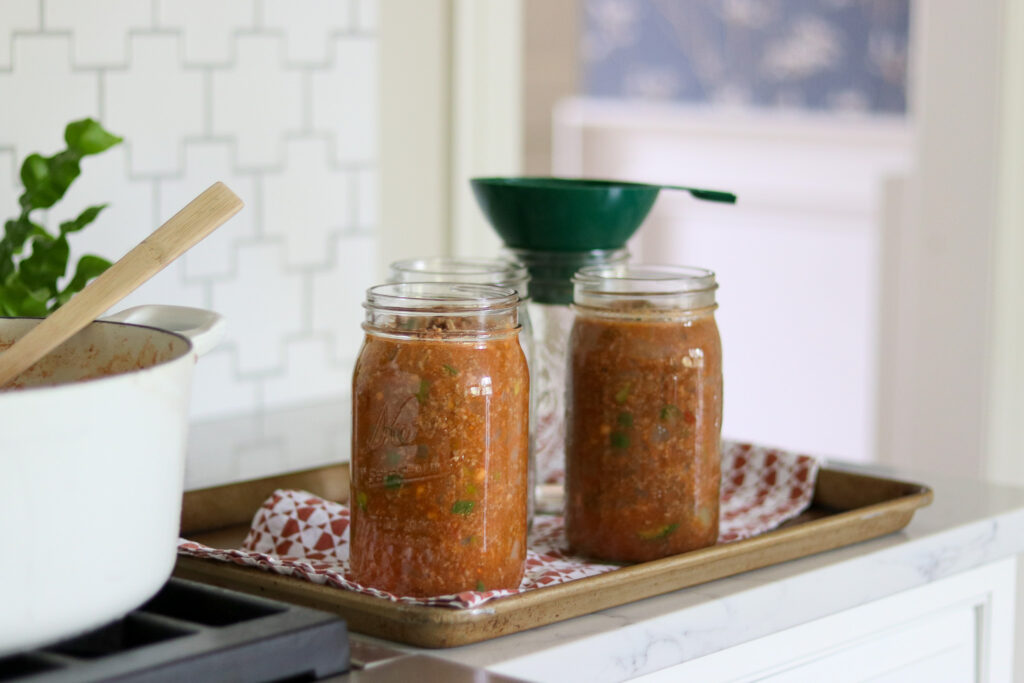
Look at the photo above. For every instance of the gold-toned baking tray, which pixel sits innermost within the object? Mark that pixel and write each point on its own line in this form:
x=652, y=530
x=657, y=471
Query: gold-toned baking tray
x=847, y=508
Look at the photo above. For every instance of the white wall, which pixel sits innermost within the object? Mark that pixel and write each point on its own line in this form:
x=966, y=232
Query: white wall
x=277, y=98
x=797, y=258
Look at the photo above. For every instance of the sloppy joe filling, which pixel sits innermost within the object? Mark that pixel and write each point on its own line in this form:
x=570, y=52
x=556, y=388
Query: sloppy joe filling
x=644, y=422
x=439, y=465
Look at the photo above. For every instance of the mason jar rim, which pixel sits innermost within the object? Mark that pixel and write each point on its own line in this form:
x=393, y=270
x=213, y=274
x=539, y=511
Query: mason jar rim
x=471, y=269
x=452, y=298
x=633, y=279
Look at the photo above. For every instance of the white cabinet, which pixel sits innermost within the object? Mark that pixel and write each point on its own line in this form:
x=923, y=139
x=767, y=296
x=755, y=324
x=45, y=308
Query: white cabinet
x=956, y=629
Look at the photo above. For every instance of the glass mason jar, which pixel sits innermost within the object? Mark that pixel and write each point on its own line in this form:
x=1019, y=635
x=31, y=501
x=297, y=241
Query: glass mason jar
x=492, y=271
x=644, y=413
x=439, y=440
x=551, y=285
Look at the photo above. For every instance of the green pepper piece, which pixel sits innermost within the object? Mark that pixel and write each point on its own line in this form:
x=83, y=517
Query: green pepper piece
x=362, y=499
x=623, y=393
x=452, y=372
x=393, y=481
x=625, y=419
x=463, y=507
x=619, y=440
x=423, y=392
x=669, y=412
x=393, y=456
x=480, y=585
x=658, y=533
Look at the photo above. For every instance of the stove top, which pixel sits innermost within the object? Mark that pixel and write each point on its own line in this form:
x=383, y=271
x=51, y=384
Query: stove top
x=191, y=631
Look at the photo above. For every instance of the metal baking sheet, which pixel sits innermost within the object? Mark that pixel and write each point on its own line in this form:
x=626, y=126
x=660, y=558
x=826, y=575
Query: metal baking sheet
x=847, y=508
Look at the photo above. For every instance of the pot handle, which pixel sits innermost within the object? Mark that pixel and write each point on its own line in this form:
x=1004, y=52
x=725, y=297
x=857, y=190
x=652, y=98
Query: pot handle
x=205, y=329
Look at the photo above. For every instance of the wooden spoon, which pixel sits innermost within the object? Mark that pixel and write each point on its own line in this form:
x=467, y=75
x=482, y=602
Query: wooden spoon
x=199, y=218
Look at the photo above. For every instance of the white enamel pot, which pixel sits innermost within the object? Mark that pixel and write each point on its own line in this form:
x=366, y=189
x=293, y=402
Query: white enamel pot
x=92, y=454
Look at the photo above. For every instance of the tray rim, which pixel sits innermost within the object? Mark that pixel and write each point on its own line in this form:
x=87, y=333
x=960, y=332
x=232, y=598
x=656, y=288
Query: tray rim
x=441, y=627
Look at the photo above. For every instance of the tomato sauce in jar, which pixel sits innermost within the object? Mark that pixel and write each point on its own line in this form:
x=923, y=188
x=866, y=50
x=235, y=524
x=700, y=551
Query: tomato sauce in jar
x=644, y=413
x=440, y=441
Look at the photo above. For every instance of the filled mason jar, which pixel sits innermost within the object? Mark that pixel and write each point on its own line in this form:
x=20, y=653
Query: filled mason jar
x=644, y=413
x=439, y=441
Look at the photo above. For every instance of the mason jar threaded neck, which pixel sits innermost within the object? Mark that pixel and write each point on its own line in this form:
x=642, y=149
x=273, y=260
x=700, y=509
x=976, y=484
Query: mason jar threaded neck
x=491, y=271
x=636, y=289
x=444, y=310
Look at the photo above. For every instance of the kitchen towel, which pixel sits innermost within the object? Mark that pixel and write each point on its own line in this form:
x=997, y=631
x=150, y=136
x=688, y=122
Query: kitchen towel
x=299, y=534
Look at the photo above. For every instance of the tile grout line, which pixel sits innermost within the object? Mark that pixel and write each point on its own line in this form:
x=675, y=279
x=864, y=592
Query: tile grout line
x=208, y=103
x=101, y=94
x=257, y=384
x=307, y=101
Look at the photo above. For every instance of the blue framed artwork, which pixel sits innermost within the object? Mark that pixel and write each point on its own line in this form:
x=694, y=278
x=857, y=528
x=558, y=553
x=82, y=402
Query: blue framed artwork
x=831, y=55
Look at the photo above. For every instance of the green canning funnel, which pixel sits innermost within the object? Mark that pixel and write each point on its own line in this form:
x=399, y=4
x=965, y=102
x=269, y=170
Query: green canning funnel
x=571, y=214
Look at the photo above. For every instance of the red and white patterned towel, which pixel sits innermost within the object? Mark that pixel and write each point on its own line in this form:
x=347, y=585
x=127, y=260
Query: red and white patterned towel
x=298, y=534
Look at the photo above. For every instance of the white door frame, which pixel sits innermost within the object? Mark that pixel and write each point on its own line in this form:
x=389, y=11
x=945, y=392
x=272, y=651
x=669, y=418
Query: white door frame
x=451, y=94
x=950, y=388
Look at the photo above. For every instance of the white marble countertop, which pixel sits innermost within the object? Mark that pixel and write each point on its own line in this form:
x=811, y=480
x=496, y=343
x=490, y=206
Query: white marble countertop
x=969, y=524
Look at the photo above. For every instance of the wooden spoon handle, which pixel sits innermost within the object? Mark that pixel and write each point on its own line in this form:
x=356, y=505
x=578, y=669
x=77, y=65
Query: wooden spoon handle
x=198, y=219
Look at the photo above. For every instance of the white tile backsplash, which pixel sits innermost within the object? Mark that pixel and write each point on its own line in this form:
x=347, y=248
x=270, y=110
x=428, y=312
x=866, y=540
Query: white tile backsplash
x=218, y=390
x=276, y=99
x=258, y=102
x=344, y=97
x=129, y=216
x=308, y=26
x=18, y=15
x=367, y=198
x=338, y=293
x=154, y=120
x=206, y=163
x=310, y=374
x=8, y=177
x=99, y=28
x=303, y=211
x=262, y=295
x=366, y=15
x=207, y=28
x=41, y=92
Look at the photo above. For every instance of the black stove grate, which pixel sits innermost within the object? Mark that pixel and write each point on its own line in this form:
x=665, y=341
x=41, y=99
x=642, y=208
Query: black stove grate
x=194, y=632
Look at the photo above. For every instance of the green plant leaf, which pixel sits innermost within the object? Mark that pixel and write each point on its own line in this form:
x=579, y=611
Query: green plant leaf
x=89, y=267
x=83, y=219
x=17, y=232
x=30, y=283
x=47, y=264
x=88, y=137
x=46, y=179
x=17, y=299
